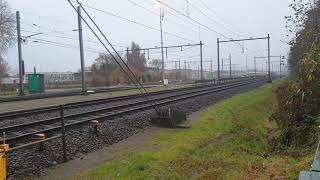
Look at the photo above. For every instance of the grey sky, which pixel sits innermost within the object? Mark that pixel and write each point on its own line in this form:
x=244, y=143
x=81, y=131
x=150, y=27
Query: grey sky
x=56, y=19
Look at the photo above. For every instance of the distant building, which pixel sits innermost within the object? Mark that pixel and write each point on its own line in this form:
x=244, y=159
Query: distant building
x=10, y=81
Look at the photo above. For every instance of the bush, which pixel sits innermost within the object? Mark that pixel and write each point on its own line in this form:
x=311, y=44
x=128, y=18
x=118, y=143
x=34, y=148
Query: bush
x=299, y=104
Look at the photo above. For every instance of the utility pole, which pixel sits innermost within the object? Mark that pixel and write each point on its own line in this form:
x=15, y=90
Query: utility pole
x=211, y=66
x=185, y=69
x=230, y=71
x=175, y=69
x=218, y=45
x=21, y=89
x=201, y=60
x=162, y=51
x=247, y=64
x=198, y=72
x=179, y=70
x=190, y=72
x=222, y=61
x=255, y=67
x=83, y=81
x=280, y=66
x=267, y=67
x=269, y=73
x=127, y=54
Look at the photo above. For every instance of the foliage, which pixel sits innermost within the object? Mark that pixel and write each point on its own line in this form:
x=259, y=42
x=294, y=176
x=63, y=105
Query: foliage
x=106, y=71
x=7, y=28
x=299, y=99
x=4, y=69
x=303, y=27
x=299, y=104
x=102, y=70
x=157, y=65
x=136, y=59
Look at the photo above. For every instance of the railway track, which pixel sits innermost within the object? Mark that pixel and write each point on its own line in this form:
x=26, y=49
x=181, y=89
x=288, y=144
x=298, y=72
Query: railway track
x=22, y=133
x=13, y=114
x=65, y=94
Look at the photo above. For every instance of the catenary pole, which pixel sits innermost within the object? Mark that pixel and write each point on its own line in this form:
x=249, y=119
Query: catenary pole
x=269, y=70
x=162, y=51
x=280, y=66
x=83, y=80
x=230, y=66
x=255, y=67
x=21, y=89
x=201, y=60
x=218, y=46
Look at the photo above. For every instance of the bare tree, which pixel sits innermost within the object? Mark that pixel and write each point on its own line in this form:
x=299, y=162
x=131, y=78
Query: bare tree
x=7, y=26
x=7, y=33
x=156, y=63
x=4, y=69
x=137, y=60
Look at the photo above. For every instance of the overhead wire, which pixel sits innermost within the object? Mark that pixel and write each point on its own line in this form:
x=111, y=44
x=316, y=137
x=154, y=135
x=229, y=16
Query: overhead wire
x=135, y=22
x=211, y=19
x=186, y=16
x=214, y=12
x=69, y=38
x=133, y=79
x=156, y=14
x=199, y=23
x=63, y=45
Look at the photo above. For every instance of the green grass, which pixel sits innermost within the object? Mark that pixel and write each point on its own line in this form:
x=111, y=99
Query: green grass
x=228, y=141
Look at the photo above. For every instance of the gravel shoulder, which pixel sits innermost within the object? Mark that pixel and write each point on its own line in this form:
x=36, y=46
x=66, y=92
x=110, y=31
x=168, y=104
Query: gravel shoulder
x=74, y=168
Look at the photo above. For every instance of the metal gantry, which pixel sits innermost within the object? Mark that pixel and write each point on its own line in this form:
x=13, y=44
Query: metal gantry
x=242, y=40
x=165, y=48
x=281, y=62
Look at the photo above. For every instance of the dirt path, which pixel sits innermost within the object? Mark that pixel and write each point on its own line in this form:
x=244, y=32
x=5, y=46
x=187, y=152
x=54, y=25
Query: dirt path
x=116, y=151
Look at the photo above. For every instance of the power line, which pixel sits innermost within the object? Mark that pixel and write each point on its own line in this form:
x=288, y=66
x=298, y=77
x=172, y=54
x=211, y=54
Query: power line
x=156, y=14
x=69, y=38
x=212, y=20
x=207, y=27
x=62, y=45
x=134, y=22
x=130, y=74
x=186, y=16
x=213, y=12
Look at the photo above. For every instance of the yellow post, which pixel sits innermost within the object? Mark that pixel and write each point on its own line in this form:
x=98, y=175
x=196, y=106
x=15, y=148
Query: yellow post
x=3, y=149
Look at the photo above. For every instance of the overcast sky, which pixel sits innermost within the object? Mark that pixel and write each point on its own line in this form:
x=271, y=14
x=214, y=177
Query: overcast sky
x=57, y=48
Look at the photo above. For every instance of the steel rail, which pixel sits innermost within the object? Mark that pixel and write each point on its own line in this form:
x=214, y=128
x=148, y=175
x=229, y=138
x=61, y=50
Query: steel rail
x=112, y=112
x=49, y=120
x=14, y=114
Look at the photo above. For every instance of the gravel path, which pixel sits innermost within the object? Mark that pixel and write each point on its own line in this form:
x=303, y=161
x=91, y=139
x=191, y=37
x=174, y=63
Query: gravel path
x=31, y=162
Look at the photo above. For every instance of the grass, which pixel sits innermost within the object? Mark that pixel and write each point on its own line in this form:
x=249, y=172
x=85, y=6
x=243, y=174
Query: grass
x=228, y=141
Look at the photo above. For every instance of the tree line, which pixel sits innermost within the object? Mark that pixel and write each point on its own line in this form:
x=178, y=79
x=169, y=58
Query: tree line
x=105, y=70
